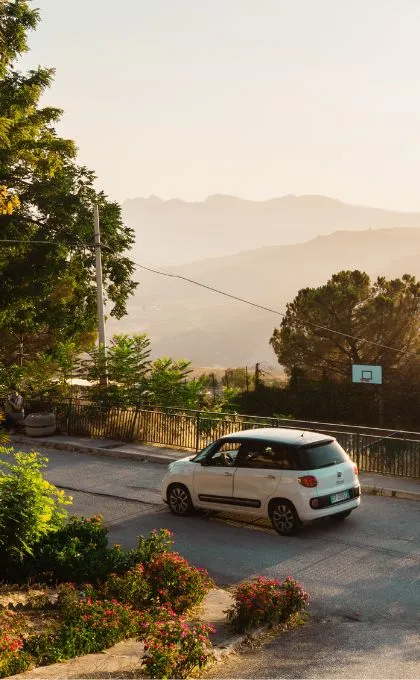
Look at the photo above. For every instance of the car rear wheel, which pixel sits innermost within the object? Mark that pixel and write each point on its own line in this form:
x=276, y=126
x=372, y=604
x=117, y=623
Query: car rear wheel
x=284, y=518
x=179, y=500
x=342, y=515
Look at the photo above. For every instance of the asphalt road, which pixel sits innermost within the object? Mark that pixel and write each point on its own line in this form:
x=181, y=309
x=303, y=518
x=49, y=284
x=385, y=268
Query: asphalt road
x=363, y=573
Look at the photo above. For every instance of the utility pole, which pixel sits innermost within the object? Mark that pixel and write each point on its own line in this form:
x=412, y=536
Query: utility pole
x=257, y=376
x=100, y=294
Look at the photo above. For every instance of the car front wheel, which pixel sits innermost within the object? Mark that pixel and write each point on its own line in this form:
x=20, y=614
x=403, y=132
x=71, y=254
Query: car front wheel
x=284, y=518
x=179, y=500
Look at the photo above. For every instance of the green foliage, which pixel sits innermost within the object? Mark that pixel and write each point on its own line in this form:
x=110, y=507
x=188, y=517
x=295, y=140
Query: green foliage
x=131, y=587
x=169, y=386
x=16, y=19
x=385, y=312
x=174, y=581
x=48, y=292
x=158, y=542
x=173, y=649
x=127, y=364
x=238, y=377
x=77, y=552
x=30, y=507
x=264, y=601
x=87, y=625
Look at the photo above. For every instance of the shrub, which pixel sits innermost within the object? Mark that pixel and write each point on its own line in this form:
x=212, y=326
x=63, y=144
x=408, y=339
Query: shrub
x=30, y=508
x=12, y=659
x=174, y=581
x=77, y=552
x=173, y=649
x=131, y=588
x=263, y=600
x=156, y=543
x=87, y=625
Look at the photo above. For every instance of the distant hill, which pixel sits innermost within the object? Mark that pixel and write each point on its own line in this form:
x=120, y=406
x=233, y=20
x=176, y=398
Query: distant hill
x=186, y=321
x=177, y=232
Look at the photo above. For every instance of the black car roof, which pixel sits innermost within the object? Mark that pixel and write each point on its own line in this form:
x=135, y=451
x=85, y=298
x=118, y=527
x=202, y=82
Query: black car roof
x=279, y=435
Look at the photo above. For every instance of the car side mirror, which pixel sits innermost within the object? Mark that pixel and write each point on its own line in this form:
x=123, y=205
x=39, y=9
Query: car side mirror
x=205, y=462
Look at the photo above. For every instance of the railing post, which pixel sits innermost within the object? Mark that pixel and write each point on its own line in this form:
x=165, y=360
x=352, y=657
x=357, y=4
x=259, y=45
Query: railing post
x=197, y=431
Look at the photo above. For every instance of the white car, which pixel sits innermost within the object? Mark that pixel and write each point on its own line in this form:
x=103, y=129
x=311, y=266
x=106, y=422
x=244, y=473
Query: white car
x=287, y=475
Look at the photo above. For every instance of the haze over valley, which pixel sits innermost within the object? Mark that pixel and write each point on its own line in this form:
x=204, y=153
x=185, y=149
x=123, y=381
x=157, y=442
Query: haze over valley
x=285, y=244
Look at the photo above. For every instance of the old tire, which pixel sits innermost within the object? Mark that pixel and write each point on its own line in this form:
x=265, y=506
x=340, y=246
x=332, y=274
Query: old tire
x=284, y=517
x=179, y=500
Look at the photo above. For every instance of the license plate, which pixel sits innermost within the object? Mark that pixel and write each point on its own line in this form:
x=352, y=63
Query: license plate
x=341, y=496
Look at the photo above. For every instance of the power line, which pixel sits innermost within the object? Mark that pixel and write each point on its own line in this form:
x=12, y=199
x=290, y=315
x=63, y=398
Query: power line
x=219, y=292
x=12, y=241
x=267, y=309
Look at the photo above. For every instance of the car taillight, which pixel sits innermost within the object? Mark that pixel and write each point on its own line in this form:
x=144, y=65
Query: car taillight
x=356, y=470
x=308, y=480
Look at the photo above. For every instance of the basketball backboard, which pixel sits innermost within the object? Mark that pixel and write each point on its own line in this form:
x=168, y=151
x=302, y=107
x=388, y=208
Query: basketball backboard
x=363, y=373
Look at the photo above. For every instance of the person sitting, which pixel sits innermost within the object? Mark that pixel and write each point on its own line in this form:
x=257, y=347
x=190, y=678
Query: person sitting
x=14, y=410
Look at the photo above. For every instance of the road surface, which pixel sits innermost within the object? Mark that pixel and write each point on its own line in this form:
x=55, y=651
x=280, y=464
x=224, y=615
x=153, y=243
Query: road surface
x=363, y=573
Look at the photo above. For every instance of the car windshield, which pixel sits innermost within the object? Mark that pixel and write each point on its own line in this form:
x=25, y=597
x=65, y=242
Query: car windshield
x=202, y=454
x=322, y=455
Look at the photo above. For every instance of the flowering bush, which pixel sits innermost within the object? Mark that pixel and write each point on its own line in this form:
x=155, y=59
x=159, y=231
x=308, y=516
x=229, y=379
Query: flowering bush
x=174, y=581
x=88, y=625
x=156, y=543
x=173, y=649
x=131, y=588
x=12, y=659
x=265, y=601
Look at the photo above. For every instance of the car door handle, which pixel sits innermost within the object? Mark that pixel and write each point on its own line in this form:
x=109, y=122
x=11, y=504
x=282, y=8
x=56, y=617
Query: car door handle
x=228, y=474
x=271, y=476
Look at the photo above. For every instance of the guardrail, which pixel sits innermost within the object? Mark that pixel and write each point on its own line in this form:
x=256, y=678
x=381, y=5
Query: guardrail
x=373, y=450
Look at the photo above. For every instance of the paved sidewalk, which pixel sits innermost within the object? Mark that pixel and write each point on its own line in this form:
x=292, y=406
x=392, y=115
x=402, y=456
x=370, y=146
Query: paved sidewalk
x=372, y=483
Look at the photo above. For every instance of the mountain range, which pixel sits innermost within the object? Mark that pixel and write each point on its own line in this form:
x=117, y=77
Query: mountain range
x=177, y=232
x=187, y=321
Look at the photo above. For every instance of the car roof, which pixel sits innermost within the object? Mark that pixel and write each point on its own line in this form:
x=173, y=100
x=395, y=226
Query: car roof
x=280, y=435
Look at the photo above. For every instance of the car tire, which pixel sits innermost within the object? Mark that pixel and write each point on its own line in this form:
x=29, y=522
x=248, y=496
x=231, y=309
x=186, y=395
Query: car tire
x=284, y=517
x=342, y=515
x=179, y=500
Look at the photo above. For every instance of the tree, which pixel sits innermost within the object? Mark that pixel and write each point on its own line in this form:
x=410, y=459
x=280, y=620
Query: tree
x=238, y=377
x=127, y=366
x=367, y=322
x=48, y=291
x=169, y=386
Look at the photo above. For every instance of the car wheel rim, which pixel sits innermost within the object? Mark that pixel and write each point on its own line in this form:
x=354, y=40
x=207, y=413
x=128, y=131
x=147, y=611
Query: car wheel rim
x=283, y=518
x=179, y=500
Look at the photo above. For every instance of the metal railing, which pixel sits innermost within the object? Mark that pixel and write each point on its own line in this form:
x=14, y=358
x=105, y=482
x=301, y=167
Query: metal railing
x=374, y=450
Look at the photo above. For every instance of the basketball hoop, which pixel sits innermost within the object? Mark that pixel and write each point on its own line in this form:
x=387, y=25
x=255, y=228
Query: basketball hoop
x=365, y=380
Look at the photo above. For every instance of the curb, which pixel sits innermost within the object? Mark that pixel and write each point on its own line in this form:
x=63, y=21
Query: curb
x=369, y=490
x=148, y=454
x=230, y=645
x=143, y=455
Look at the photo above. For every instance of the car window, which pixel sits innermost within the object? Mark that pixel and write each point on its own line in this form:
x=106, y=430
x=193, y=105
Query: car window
x=322, y=455
x=267, y=455
x=224, y=454
x=202, y=454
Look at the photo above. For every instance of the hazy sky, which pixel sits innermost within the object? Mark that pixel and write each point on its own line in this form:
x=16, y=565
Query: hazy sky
x=258, y=98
